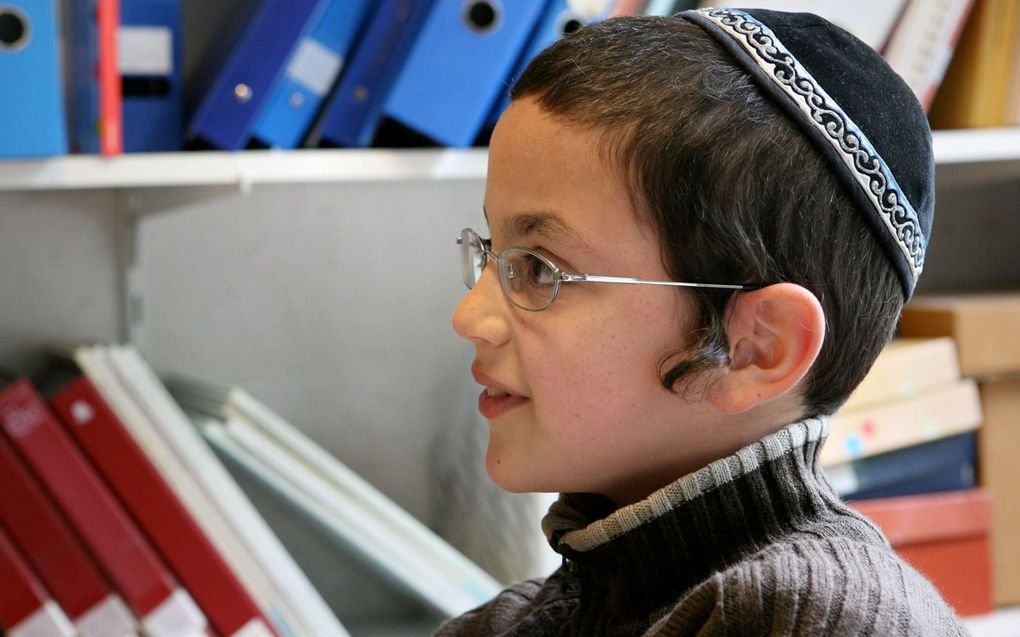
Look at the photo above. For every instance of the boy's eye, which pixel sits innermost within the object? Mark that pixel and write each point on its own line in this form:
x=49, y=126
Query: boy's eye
x=539, y=272
x=525, y=270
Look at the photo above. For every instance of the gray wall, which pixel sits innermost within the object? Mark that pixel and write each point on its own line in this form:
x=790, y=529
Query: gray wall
x=331, y=303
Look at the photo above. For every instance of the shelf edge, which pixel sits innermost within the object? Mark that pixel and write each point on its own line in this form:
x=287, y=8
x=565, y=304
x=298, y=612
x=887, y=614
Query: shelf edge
x=215, y=168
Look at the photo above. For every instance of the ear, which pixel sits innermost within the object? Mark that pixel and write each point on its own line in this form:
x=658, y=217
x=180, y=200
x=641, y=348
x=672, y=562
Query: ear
x=775, y=334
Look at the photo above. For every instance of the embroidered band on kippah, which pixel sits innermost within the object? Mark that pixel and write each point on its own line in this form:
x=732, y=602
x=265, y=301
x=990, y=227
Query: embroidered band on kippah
x=859, y=157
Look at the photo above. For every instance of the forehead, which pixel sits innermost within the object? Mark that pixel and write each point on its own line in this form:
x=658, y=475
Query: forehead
x=550, y=178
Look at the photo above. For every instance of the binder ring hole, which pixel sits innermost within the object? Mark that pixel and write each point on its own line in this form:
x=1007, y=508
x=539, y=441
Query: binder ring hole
x=14, y=30
x=483, y=16
x=568, y=22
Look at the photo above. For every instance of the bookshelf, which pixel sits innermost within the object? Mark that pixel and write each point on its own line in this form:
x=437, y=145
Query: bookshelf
x=242, y=169
x=992, y=154
x=323, y=281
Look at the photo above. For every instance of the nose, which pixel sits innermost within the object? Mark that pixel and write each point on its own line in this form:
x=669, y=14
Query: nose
x=480, y=317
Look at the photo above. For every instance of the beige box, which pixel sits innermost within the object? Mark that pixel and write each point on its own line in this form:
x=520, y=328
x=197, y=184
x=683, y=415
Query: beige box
x=999, y=472
x=905, y=368
x=986, y=328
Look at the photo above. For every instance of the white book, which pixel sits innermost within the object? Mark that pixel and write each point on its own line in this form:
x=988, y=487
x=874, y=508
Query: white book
x=302, y=608
x=347, y=505
x=94, y=361
x=923, y=41
x=443, y=578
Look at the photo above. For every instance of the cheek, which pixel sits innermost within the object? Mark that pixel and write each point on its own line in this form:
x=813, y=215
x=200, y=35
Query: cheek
x=604, y=366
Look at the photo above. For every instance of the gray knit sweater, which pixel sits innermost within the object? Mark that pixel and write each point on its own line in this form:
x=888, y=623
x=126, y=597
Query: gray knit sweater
x=753, y=544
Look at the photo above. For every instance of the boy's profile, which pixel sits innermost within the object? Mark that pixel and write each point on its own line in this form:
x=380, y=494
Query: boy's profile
x=703, y=229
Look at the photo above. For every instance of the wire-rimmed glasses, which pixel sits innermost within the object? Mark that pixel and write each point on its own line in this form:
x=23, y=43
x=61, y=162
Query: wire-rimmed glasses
x=531, y=281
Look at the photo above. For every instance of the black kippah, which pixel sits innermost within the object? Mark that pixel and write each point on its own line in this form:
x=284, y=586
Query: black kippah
x=859, y=113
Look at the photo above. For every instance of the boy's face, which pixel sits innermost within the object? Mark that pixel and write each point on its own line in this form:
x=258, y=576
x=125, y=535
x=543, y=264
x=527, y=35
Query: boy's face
x=586, y=411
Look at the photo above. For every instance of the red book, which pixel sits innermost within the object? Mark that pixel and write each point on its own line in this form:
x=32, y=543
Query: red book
x=54, y=552
x=25, y=606
x=111, y=105
x=117, y=545
x=157, y=510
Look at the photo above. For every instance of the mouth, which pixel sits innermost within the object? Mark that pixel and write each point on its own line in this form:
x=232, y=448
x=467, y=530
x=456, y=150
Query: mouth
x=496, y=399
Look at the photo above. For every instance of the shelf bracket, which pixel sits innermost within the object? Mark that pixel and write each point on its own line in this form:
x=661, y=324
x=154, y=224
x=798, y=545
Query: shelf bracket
x=130, y=272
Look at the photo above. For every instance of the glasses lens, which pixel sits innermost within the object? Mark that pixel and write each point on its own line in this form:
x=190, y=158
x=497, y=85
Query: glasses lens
x=472, y=257
x=529, y=279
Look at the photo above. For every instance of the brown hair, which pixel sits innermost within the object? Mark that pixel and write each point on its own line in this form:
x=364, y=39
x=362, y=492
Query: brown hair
x=733, y=188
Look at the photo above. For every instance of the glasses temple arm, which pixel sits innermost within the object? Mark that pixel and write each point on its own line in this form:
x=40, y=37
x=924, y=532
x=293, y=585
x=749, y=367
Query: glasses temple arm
x=597, y=278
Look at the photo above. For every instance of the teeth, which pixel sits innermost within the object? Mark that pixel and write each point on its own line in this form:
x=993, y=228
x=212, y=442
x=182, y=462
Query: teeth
x=495, y=393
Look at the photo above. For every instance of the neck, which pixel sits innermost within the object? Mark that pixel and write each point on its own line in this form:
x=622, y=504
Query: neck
x=657, y=548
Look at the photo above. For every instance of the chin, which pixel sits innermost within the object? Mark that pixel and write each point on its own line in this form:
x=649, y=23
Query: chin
x=506, y=480
x=515, y=479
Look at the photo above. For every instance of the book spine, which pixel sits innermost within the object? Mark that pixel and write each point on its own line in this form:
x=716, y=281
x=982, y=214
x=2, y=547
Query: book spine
x=158, y=511
x=112, y=538
x=51, y=549
x=25, y=607
x=213, y=518
x=301, y=599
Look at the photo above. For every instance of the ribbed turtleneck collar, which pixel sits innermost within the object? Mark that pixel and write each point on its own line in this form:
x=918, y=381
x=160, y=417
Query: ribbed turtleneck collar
x=647, y=553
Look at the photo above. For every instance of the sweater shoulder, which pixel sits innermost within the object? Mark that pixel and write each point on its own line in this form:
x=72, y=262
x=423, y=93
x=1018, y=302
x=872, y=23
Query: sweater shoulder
x=831, y=586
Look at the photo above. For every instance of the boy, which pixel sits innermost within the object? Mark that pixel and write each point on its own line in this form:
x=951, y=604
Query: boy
x=754, y=190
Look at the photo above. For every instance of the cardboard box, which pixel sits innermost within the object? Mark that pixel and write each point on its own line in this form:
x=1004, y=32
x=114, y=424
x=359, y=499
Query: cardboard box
x=986, y=328
x=999, y=473
x=945, y=536
x=906, y=367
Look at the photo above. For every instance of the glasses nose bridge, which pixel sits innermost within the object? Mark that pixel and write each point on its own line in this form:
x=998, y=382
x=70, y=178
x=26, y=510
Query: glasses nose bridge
x=480, y=316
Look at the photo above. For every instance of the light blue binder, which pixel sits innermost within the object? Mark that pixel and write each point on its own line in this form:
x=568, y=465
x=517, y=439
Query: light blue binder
x=558, y=20
x=458, y=66
x=310, y=74
x=31, y=98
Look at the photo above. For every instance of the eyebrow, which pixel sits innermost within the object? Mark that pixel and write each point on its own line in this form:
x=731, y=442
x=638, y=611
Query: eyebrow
x=545, y=224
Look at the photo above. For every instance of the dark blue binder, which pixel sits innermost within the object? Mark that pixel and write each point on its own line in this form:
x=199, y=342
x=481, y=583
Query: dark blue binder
x=946, y=464
x=458, y=66
x=351, y=115
x=150, y=64
x=310, y=74
x=230, y=108
x=31, y=105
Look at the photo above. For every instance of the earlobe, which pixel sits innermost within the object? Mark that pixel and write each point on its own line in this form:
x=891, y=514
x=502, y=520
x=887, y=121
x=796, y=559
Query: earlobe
x=775, y=334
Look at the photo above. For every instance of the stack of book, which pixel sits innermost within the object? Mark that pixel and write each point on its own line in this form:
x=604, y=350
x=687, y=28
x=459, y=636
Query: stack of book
x=986, y=329
x=118, y=517
x=903, y=451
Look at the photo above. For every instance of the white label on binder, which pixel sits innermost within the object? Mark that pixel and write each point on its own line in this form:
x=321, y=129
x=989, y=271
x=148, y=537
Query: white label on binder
x=314, y=66
x=145, y=51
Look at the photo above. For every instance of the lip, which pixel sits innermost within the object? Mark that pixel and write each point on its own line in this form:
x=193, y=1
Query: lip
x=495, y=406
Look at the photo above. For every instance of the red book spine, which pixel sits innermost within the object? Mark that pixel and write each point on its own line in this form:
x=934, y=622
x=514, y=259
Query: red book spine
x=156, y=509
x=111, y=109
x=25, y=606
x=36, y=527
x=116, y=544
